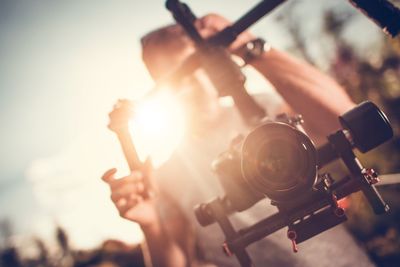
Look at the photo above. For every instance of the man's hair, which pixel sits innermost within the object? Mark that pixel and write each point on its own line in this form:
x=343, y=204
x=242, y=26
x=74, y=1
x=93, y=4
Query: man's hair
x=167, y=33
x=168, y=39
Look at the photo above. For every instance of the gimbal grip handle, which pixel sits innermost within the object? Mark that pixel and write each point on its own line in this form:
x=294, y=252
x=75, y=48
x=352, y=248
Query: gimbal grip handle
x=385, y=14
x=185, y=17
x=129, y=150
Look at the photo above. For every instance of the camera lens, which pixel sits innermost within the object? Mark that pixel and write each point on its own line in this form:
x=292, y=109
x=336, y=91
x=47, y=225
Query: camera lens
x=279, y=161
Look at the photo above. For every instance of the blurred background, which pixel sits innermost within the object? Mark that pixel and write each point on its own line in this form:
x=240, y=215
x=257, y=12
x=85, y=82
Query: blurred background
x=63, y=64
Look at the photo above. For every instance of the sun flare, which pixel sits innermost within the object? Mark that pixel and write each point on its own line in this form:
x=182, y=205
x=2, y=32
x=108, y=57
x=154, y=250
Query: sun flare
x=158, y=127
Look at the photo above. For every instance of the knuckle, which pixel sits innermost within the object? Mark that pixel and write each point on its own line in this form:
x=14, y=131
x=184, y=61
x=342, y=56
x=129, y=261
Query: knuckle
x=114, y=198
x=135, y=175
x=112, y=113
x=108, y=177
x=140, y=187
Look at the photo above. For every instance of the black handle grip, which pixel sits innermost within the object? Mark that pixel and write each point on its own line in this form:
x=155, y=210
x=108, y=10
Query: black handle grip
x=384, y=13
x=185, y=17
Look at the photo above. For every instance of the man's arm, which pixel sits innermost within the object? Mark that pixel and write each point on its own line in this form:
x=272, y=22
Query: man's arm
x=164, y=251
x=127, y=195
x=135, y=197
x=308, y=91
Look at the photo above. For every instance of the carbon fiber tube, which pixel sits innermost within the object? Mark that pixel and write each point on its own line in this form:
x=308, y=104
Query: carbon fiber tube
x=382, y=12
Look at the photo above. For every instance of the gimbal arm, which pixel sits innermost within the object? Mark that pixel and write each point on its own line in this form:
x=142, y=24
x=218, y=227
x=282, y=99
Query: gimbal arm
x=216, y=61
x=185, y=17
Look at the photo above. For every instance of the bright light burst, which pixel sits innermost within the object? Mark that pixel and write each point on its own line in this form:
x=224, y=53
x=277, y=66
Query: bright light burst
x=158, y=127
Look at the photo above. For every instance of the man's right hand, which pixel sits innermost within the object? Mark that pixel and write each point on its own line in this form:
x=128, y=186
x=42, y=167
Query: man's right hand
x=134, y=197
x=212, y=24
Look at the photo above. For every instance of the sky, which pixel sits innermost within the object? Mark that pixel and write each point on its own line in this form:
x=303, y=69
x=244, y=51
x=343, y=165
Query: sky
x=63, y=64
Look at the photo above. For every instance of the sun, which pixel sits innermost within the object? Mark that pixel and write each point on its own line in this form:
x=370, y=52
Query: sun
x=158, y=127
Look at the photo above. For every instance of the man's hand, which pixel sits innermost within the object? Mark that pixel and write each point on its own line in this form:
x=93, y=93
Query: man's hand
x=134, y=197
x=120, y=115
x=211, y=24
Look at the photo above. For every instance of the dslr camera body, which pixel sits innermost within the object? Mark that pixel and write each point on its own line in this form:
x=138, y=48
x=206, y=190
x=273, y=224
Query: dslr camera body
x=278, y=161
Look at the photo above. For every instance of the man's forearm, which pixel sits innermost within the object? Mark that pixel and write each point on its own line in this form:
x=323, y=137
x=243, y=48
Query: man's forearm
x=164, y=251
x=315, y=95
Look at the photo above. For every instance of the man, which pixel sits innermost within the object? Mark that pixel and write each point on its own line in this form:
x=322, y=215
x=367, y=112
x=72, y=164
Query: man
x=186, y=177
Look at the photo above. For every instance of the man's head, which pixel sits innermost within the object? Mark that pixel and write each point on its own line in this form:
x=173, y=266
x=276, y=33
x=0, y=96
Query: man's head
x=164, y=49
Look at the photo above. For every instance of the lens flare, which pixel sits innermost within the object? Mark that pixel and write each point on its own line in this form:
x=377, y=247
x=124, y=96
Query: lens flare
x=158, y=127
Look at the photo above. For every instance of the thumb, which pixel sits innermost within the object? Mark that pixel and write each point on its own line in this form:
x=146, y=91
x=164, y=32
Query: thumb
x=108, y=176
x=214, y=22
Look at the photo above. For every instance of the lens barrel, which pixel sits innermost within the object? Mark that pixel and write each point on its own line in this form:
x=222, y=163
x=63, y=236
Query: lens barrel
x=279, y=161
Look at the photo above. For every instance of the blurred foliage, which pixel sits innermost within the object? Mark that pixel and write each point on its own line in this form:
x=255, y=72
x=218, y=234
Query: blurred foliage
x=112, y=253
x=375, y=77
x=372, y=76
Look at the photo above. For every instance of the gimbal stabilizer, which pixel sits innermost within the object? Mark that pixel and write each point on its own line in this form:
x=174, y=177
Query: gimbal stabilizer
x=317, y=208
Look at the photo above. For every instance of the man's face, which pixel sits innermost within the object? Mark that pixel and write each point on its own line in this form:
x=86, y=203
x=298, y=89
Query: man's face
x=196, y=92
